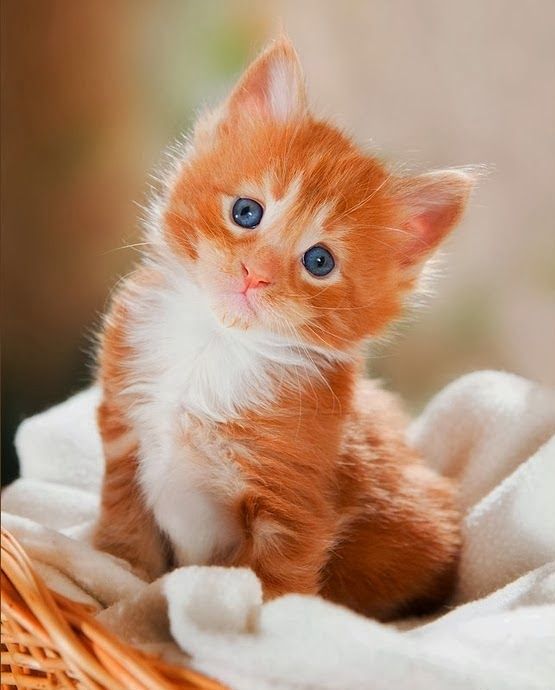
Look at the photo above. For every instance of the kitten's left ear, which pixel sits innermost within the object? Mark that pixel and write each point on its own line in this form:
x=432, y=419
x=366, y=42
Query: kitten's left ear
x=272, y=87
x=431, y=205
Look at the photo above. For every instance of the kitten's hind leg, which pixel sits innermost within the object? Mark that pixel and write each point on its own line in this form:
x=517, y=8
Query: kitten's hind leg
x=126, y=527
x=398, y=556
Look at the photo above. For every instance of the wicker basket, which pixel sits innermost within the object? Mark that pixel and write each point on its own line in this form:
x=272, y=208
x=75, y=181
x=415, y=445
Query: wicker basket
x=49, y=641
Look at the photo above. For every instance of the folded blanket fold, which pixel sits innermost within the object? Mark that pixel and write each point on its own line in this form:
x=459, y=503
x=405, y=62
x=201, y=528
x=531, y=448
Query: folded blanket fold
x=491, y=430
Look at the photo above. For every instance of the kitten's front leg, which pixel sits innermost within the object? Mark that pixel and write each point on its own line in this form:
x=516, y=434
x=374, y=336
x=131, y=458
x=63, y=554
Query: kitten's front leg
x=126, y=527
x=284, y=544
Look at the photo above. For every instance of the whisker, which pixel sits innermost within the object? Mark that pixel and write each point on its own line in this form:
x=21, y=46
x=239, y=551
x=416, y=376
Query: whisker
x=125, y=246
x=319, y=328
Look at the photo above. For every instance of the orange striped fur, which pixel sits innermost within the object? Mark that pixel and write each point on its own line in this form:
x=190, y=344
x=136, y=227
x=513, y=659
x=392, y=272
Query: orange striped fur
x=236, y=425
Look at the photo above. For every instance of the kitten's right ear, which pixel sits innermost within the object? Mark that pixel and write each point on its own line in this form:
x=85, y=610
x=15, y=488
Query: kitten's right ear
x=271, y=89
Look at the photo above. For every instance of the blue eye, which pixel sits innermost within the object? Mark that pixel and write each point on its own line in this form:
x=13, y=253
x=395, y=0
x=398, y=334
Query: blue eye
x=247, y=213
x=318, y=261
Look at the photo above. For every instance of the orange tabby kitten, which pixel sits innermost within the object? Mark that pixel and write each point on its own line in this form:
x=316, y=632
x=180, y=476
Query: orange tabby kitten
x=236, y=429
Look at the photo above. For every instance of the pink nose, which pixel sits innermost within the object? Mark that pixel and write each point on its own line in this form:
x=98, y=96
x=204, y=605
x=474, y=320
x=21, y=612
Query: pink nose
x=254, y=278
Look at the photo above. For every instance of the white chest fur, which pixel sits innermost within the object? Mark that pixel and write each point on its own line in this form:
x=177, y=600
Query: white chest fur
x=190, y=484
x=190, y=373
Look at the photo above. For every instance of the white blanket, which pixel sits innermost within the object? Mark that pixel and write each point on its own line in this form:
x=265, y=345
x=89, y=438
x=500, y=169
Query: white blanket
x=491, y=430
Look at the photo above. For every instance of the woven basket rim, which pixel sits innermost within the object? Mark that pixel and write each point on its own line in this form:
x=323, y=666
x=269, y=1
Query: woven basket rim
x=39, y=619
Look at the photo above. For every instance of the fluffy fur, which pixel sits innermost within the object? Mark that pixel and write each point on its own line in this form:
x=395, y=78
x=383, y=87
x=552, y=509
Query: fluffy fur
x=235, y=426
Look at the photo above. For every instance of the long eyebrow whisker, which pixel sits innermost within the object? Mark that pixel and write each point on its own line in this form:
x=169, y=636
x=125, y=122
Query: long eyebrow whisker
x=367, y=199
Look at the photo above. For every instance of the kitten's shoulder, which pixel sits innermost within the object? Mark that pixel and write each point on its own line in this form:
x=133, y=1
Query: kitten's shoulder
x=378, y=420
x=372, y=400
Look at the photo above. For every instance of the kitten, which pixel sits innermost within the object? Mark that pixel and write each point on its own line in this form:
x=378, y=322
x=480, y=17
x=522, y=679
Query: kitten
x=236, y=428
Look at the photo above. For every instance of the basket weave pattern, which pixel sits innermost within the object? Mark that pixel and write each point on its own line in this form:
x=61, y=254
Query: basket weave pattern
x=49, y=641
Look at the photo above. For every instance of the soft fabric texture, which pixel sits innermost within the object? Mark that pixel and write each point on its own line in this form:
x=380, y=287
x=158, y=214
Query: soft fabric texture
x=491, y=430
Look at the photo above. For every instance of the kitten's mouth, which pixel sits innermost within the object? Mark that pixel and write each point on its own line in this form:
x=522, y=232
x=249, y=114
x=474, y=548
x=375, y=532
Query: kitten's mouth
x=246, y=302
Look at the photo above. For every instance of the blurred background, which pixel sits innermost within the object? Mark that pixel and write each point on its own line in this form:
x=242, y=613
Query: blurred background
x=93, y=91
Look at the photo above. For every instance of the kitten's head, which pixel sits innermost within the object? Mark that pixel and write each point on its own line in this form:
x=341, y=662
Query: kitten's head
x=287, y=227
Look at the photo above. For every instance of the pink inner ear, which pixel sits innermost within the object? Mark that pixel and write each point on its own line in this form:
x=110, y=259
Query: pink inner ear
x=433, y=203
x=252, y=96
x=428, y=229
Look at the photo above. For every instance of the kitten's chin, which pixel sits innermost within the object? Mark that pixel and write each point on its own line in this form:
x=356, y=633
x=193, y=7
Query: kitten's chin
x=234, y=310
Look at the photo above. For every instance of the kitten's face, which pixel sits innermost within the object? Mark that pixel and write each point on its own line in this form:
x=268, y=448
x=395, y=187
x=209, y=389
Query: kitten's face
x=287, y=227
